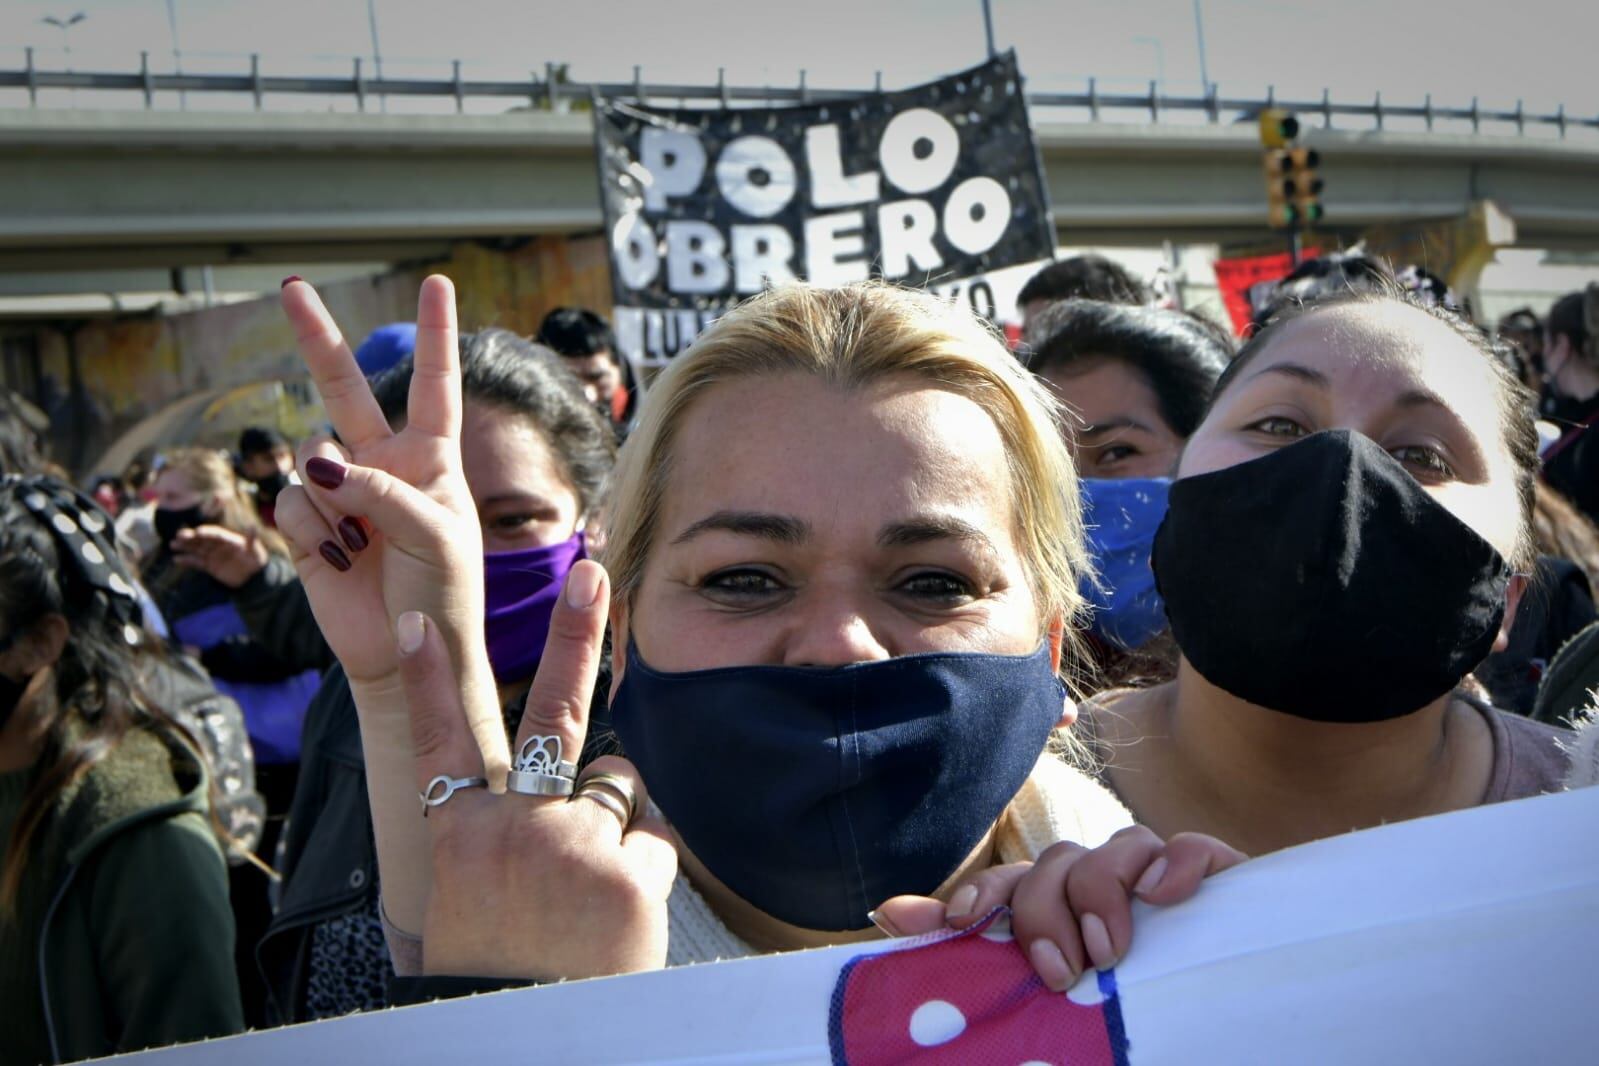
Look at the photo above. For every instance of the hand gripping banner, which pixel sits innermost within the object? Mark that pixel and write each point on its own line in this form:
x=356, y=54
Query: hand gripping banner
x=1465, y=938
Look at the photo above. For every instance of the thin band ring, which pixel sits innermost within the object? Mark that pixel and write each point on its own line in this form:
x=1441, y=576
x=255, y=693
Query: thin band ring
x=614, y=787
x=607, y=800
x=441, y=788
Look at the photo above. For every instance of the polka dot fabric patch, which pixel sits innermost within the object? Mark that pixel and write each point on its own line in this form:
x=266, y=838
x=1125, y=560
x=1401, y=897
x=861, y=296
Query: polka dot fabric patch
x=971, y=998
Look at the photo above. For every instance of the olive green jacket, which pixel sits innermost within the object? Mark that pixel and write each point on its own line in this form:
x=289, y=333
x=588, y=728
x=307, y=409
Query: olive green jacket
x=126, y=908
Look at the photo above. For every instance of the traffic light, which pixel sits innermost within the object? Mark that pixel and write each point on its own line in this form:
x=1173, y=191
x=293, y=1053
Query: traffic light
x=1277, y=128
x=1293, y=188
x=1303, y=185
x=1279, y=190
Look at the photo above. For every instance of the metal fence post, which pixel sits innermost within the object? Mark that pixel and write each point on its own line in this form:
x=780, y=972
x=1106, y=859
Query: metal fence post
x=255, y=78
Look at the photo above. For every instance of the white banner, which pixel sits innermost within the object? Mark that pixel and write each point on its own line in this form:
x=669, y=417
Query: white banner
x=1467, y=938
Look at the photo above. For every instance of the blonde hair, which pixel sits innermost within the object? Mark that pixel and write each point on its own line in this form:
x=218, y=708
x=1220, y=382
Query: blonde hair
x=851, y=337
x=210, y=473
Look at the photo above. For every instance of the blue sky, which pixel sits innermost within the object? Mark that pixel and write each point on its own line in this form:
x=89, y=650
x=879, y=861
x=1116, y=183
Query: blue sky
x=1539, y=50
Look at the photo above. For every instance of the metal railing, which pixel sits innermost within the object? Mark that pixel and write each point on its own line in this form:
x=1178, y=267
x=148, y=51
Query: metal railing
x=552, y=92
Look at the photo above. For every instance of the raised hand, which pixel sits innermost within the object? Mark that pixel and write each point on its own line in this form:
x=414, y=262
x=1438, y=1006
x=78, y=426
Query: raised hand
x=229, y=557
x=385, y=521
x=1072, y=909
x=528, y=886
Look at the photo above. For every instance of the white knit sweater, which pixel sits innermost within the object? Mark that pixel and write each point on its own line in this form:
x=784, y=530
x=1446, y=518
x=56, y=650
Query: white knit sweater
x=1057, y=803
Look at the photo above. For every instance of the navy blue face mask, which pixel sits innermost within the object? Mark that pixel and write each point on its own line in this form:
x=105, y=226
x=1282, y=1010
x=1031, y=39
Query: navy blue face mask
x=1122, y=516
x=816, y=793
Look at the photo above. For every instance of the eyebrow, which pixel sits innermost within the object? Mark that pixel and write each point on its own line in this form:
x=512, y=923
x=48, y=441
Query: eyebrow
x=1421, y=398
x=1298, y=371
x=530, y=499
x=931, y=528
x=784, y=529
x=1114, y=423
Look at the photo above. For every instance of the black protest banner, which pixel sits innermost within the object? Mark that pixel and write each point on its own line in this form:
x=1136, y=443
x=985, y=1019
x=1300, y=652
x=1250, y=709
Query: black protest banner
x=704, y=207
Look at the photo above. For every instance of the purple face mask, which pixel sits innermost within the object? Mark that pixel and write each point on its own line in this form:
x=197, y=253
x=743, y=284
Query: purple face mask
x=521, y=588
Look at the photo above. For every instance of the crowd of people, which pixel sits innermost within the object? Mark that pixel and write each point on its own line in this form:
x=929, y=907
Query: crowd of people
x=860, y=624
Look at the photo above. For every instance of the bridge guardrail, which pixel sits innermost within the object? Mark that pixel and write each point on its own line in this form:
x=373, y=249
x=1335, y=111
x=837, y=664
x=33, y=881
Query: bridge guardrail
x=552, y=92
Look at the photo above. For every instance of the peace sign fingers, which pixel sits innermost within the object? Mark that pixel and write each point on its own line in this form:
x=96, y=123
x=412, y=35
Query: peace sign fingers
x=344, y=390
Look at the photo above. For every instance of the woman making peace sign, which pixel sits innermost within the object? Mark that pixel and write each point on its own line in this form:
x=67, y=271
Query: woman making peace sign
x=846, y=547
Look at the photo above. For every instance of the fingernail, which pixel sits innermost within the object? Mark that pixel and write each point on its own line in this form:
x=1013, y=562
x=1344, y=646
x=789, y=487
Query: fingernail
x=353, y=532
x=962, y=902
x=1051, y=965
x=325, y=473
x=1147, y=883
x=583, y=586
x=883, y=923
x=334, y=555
x=291, y=277
x=409, y=631
x=1096, y=941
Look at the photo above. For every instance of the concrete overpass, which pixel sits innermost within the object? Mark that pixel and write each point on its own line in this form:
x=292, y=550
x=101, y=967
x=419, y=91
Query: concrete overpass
x=96, y=201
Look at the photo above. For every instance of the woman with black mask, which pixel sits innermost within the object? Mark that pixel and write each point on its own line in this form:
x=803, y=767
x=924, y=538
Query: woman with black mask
x=846, y=541
x=1347, y=539
x=115, y=932
x=1571, y=398
x=195, y=488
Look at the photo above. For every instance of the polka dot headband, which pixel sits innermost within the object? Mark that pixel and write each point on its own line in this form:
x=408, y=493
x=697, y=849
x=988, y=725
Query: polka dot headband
x=85, y=539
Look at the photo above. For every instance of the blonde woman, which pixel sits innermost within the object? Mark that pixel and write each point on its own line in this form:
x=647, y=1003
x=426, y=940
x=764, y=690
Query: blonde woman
x=845, y=546
x=197, y=487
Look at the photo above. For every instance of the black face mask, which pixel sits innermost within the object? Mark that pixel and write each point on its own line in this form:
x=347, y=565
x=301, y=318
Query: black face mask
x=267, y=488
x=1322, y=581
x=169, y=521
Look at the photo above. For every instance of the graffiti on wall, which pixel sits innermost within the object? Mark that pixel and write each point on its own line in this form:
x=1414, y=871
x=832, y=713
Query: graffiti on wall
x=102, y=378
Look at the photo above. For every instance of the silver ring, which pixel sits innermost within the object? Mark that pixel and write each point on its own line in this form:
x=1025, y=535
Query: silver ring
x=542, y=755
x=613, y=792
x=441, y=788
x=528, y=783
x=608, y=801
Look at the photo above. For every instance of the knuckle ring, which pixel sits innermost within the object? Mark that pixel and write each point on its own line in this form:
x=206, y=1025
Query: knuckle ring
x=609, y=802
x=539, y=769
x=613, y=792
x=441, y=788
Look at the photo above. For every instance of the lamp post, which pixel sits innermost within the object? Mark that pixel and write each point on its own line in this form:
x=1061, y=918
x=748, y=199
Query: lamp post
x=177, y=52
x=377, y=49
x=66, y=48
x=1199, y=37
x=1160, y=58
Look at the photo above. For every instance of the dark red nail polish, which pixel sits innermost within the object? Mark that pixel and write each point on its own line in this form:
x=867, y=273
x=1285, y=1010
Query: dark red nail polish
x=334, y=555
x=324, y=473
x=291, y=277
x=353, y=531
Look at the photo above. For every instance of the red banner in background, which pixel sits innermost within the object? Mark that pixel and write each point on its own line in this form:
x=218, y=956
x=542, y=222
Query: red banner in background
x=1236, y=277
